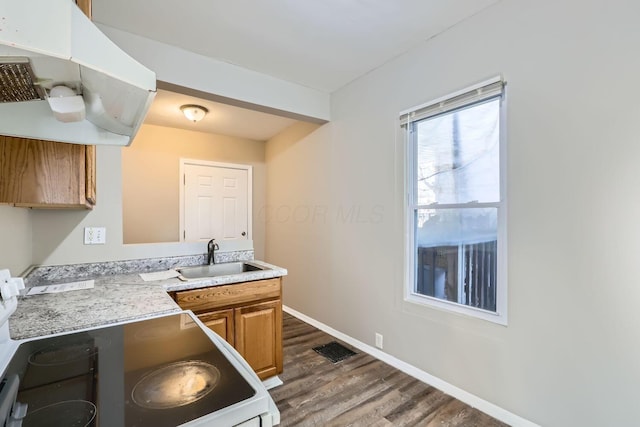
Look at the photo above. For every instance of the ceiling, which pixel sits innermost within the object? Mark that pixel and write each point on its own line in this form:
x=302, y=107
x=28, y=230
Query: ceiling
x=319, y=44
x=221, y=119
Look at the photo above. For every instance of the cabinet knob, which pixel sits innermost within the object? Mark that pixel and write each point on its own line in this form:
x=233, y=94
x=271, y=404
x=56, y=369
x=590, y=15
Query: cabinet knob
x=244, y=234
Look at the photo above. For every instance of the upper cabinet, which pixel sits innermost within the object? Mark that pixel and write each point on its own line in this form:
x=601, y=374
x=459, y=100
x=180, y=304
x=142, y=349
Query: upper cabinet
x=85, y=6
x=45, y=174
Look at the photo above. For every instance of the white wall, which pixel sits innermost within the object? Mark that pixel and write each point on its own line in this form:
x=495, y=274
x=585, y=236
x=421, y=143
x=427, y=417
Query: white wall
x=569, y=356
x=55, y=236
x=15, y=235
x=150, y=195
x=58, y=235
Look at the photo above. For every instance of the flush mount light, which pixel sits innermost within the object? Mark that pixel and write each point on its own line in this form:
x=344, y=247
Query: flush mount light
x=193, y=112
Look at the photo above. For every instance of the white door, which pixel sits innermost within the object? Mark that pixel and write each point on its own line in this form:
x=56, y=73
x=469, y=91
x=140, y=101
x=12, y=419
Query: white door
x=216, y=202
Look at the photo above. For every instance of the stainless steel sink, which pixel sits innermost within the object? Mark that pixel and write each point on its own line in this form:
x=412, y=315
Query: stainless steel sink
x=214, y=270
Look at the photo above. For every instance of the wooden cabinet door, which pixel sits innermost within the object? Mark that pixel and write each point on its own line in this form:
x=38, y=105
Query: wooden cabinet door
x=220, y=322
x=259, y=337
x=45, y=174
x=85, y=6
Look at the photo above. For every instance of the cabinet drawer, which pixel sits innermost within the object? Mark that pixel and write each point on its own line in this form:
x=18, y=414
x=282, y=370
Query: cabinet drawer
x=214, y=297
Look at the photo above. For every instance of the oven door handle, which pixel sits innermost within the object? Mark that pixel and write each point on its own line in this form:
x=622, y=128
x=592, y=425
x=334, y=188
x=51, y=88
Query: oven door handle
x=11, y=412
x=17, y=414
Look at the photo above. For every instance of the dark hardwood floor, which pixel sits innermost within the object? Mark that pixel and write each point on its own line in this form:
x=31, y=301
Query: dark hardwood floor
x=358, y=391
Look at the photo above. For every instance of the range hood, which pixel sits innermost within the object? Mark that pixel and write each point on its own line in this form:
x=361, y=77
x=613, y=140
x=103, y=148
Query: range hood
x=51, y=43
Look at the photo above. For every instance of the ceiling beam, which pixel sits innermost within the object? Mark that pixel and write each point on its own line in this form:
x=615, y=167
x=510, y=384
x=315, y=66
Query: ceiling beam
x=212, y=79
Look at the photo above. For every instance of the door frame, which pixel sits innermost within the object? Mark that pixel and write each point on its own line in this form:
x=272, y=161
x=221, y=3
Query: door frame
x=197, y=162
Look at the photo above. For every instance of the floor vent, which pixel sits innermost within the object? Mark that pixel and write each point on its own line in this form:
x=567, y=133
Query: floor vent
x=333, y=351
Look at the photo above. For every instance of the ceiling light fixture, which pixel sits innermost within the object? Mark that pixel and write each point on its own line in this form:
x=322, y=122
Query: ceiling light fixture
x=193, y=112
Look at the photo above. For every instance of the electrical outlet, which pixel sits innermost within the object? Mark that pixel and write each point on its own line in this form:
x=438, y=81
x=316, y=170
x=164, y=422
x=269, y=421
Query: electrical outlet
x=379, y=340
x=95, y=235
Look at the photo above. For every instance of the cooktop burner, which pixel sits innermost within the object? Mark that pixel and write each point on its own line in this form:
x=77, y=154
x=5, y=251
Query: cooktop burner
x=56, y=355
x=164, y=371
x=176, y=384
x=76, y=413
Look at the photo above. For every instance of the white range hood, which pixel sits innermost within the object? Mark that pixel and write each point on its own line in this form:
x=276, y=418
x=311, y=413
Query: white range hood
x=63, y=47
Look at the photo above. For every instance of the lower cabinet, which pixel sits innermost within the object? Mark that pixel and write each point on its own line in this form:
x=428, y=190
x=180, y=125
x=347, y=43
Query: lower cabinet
x=247, y=315
x=259, y=336
x=220, y=322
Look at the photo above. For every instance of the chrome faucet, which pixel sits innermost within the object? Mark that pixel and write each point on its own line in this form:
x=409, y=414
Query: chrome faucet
x=212, y=247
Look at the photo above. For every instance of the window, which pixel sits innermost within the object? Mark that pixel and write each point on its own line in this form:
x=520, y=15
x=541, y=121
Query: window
x=456, y=211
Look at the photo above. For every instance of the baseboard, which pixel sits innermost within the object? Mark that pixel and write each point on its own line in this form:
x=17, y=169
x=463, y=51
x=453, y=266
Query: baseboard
x=272, y=382
x=466, y=397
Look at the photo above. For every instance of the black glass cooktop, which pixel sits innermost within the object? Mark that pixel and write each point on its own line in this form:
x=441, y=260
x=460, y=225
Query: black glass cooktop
x=156, y=372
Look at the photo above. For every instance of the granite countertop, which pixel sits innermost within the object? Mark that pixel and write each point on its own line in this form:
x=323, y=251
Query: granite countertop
x=104, y=304
x=114, y=297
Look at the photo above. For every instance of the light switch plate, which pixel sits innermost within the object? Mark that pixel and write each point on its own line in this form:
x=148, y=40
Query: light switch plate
x=95, y=235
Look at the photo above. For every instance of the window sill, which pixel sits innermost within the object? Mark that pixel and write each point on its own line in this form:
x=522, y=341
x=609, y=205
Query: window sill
x=453, y=307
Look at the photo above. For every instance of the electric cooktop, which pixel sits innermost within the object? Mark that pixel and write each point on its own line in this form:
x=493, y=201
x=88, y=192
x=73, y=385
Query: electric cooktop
x=164, y=371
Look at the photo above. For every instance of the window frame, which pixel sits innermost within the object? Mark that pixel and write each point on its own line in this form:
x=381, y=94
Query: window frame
x=411, y=207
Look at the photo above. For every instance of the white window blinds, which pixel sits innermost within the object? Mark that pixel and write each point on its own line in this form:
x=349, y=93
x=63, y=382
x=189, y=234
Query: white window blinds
x=487, y=90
